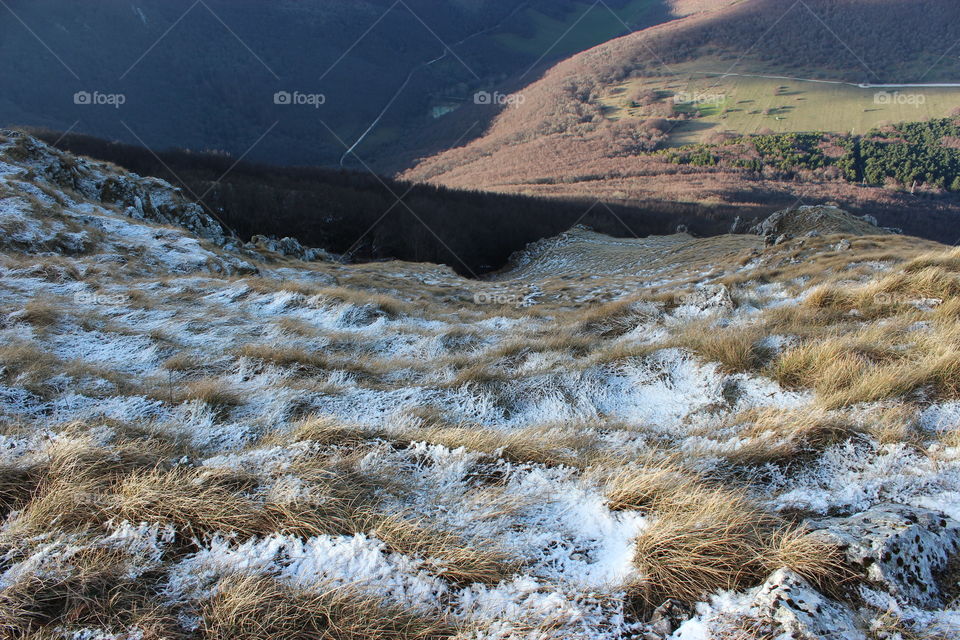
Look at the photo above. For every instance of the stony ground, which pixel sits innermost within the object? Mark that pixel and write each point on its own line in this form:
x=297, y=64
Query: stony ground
x=666, y=437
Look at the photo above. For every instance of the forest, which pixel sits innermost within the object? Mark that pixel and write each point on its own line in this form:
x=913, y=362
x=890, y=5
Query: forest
x=369, y=217
x=905, y=156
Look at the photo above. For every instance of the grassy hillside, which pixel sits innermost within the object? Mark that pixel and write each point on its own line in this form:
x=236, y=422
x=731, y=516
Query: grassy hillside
x=591, y=126
x=750, y=105
x=210, y=443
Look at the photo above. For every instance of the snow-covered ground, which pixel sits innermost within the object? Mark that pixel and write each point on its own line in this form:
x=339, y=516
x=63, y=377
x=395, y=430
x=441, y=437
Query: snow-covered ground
x=97, y=304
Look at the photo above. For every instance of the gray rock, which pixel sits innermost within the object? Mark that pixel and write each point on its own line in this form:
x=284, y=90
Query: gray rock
x=843, y=245
x=289, y=247
x=710, y=298
x=666, y=619
x=803, y=612
x=824, y=219
x=781, y=239
x=898, y=548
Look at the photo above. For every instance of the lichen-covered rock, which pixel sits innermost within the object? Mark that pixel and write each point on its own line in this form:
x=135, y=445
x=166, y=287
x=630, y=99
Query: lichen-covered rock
x=825, y=220
x=289, y=247
x=149, y=199
x=705, y=300
x=899, y=548
x=802, y=612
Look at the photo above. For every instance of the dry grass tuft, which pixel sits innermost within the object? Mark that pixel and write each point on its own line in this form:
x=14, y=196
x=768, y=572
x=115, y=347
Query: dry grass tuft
x=255, y=608
x=17, y=486
x=821, y=564
x=736, y=349
x=41, y=314
x=544, y=446
x=283, y=356
x=326, y=431
x=182, y=362
x=91, y=588
x=29, y=362
x=777, y=435
x=459, y=560
x=612, y=319
x=706, y=537
x=213, y=392
x=650, y=485
x=194, y=502
x=700, y=543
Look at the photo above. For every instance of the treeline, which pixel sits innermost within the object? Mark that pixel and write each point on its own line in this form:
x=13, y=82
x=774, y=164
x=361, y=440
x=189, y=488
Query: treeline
x=369, y=217
x=910, y=155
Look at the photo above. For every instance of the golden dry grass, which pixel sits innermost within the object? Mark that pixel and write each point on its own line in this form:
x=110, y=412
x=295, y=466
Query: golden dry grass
x=459, y=560
x=785, y=435
x=737, y=349
x=42, y=314
x=91, y=588
x=705, y=537
x=256, y=607
x=707, y=541
x=283, y=356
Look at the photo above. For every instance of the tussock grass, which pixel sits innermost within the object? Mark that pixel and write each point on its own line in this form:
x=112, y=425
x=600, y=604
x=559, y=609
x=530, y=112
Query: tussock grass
x=17, y=486
x=327, y=430
x=28, y=361
x=284, y=356
x=787, y=435
x=91, y=588
x=194, y=503
x=821, y=564
x=946, y=260
x=705, y=537
x=41, y=314
x=255, y=608
x=612, y=319
x=182, y=362
x=736, y=349
x=457, y=559
x=211, y=391
x=649, y=485
x=296, y=327
x=699, y=543
x=480, y=373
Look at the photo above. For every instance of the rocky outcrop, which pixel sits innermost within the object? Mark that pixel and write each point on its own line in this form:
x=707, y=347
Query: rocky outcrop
x=288, y=247
x=148, y=199
x=801, y=612
x=822, y=219
x=898, y=548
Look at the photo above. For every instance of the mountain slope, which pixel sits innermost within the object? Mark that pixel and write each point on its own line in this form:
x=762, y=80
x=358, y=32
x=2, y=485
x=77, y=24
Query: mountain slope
x=208, y=442
x=205, y=75
x=590, y=125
